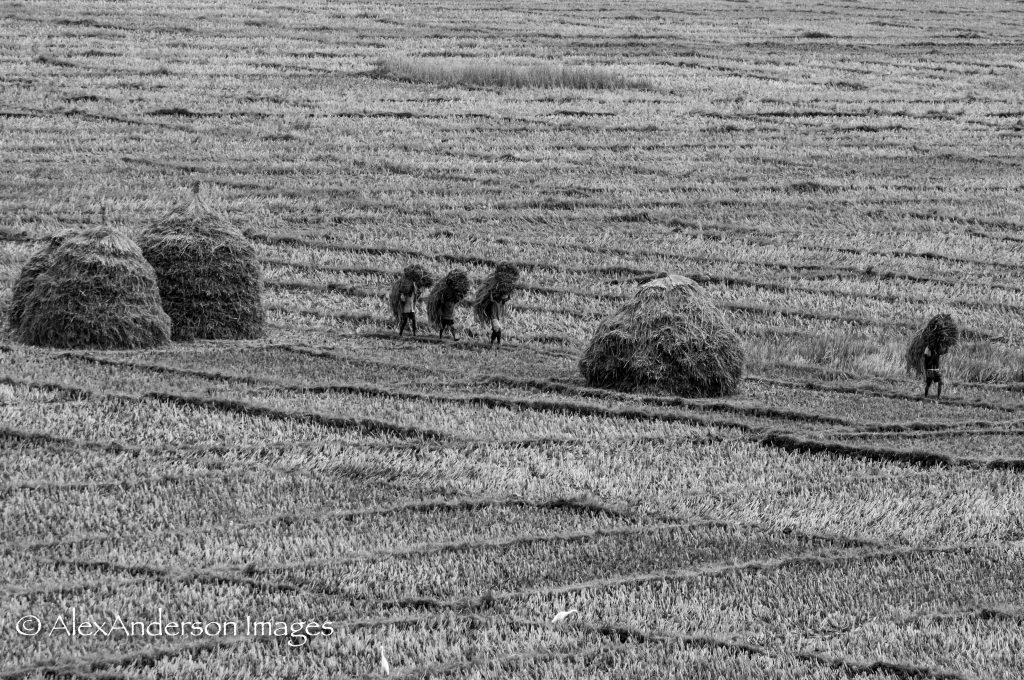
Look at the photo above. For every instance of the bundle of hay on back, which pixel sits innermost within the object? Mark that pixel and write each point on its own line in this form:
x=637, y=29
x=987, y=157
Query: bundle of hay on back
x=670, y=337
x=940, y=333
x=94, y=290
x=413, y=274
x=36, y=264
x=451, y=289
x=210, y=278
x=499, y=285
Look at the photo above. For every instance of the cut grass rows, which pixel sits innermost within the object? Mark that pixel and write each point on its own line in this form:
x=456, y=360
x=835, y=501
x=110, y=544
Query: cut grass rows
x=562, y=387
x=545, y=386
x=785, y=440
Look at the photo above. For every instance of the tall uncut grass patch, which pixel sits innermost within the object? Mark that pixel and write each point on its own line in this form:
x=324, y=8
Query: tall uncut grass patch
x=498, y=74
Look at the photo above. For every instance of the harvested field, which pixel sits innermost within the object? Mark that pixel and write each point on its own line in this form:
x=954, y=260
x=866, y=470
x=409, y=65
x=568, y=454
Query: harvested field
x=831, y=175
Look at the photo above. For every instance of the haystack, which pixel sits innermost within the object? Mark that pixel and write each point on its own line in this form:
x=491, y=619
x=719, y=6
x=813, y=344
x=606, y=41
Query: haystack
x=940, y=334
x=498, y=286
x=451, y=289
x=670, y=337
x=210, y=278
x=36, y=264
x=91, y=289
x=414, y=274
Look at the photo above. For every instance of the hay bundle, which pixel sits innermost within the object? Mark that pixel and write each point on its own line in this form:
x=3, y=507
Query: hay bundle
x=36, y=265
x=93, y=289
x=450, y=290
x=498, y=286
x=670, y=337
x=413, y=274
x=210, y=278
x=940, y=334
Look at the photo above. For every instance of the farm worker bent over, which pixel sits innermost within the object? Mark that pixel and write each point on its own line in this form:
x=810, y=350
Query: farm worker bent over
x=496, y=310
x=447, y=318
x=932, y=374
x=408, y=301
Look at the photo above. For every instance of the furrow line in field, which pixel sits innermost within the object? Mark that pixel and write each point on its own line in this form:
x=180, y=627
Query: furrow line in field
x=365, y=425
x=866, y=388
x=242, y=574
x=755, y=410
x=550, y=385
x=758, y=434
x=390, y=249
x=785, y=286
x=820, y=557
x=482, y=544
x=851, y=668
x=741, y=307
x=789, y=441
x=580, y=504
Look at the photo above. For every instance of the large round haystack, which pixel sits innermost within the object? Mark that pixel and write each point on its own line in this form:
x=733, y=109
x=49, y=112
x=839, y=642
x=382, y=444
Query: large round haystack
x=210, y=278
x=940, y=334
x=93, y=289
x=413, y=274
x=36, y=264
x=671, y=338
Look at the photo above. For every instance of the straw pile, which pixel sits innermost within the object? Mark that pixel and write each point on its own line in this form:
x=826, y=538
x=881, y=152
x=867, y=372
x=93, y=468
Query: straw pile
x=448, y=291
x=36, y=265
x=499, y=286
x=671, y=338
x=940, y=333
x=413, y=274
x=210, y=278
x=90, y=289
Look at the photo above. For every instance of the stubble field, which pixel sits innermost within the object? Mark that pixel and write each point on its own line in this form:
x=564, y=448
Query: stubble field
x=831, y=173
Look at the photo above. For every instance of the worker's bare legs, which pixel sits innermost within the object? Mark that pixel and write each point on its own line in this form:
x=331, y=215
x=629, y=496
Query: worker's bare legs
x=407, y=318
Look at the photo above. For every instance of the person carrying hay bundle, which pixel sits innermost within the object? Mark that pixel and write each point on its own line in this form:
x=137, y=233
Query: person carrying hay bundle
x=492, y=296
x=443, y=299
x=670, y=337
x=926, y=348
x=210, y=279
x=91, y=289
x=405, y=293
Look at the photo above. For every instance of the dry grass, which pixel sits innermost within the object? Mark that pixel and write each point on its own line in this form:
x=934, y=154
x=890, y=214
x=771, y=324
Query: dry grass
x=472, y=74
x=828, y=193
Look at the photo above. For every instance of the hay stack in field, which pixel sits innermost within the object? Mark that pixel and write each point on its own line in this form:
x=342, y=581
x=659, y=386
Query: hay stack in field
x=451, y=289
x=669, y=337
x=403, y=285
x=91, y=289
x=210, y=278
x=499, y=286
x=29, y=271
x=940, y=334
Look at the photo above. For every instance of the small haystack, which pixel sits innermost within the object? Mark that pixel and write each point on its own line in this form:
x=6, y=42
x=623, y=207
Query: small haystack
x=413, y=274
x=91, y=289
x=36, y=264
x=670, y=337
x=498, y=287
x=940, y=333
x=210, y=278
x=448, y=292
